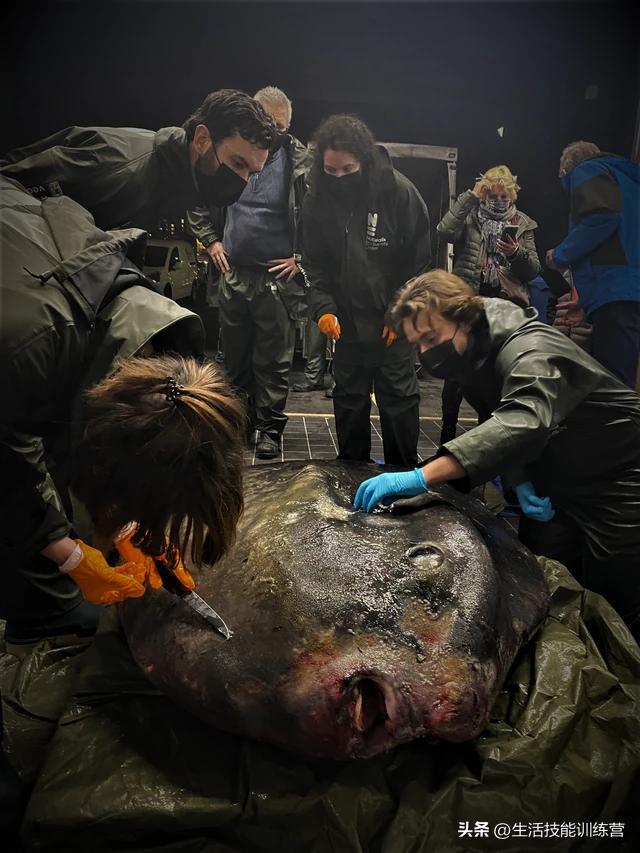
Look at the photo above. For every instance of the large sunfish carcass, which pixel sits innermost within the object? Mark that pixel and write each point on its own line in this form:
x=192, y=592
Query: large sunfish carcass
x=352, y=632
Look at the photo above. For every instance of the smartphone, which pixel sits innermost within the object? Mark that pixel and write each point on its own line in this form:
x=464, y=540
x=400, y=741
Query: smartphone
x=509, y=231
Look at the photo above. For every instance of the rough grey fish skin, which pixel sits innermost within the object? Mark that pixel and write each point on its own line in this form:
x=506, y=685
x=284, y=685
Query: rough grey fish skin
x=352, y=632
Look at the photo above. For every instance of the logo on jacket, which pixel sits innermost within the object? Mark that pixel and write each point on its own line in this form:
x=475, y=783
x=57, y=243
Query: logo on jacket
x=372, y=242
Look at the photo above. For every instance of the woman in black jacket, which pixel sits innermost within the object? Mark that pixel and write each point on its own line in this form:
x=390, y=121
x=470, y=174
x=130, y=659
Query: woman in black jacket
x=365, y=229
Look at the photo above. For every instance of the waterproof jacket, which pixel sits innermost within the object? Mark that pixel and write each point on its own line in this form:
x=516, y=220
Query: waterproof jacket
x=559, y=418
x=355, y=257
x=72, y=304
x=603, y=244
x=207, y=223
x=460, y=226
x=124, y=176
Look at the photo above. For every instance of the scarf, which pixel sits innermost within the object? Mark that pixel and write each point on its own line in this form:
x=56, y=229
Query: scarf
x=492, y=225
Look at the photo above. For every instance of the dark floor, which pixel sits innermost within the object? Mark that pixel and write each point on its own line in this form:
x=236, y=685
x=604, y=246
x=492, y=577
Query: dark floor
x=310, y=432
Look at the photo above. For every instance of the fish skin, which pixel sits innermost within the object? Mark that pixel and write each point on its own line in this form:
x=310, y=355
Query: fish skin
x=352, y=632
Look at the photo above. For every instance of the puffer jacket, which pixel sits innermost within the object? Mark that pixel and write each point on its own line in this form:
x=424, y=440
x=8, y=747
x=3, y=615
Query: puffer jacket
x=460, y=226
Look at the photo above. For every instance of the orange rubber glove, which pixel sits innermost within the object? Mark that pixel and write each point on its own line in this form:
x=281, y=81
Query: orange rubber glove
x=99, y=582
x=129, y=552
x=389, y=335
x=329, y=326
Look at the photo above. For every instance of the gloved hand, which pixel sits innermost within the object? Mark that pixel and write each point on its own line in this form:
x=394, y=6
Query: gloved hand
x=99, y=582
x=403, y=484
x=388, y=335
x=148, y=572
x=329, y=326
x=539, y=509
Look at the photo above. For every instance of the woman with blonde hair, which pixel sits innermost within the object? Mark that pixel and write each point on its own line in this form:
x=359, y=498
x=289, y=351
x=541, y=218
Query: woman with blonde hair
x=495, y=252
x=551, y=404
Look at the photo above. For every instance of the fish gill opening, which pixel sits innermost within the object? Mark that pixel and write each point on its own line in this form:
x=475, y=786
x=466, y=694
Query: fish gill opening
x=370, y=707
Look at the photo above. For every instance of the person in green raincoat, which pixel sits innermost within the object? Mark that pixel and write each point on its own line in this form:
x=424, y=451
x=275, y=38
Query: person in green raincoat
x=152, y=440
x=564, y=432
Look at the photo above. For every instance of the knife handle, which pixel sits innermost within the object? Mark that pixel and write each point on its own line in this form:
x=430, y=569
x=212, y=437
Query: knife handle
x=169, y=580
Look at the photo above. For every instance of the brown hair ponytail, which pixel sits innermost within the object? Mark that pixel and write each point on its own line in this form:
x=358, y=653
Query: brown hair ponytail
x=162, y=445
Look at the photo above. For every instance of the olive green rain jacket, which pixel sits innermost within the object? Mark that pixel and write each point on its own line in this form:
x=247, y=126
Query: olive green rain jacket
x=559, y=419
x=72, y=303
x=460, y=226
x=124, y=176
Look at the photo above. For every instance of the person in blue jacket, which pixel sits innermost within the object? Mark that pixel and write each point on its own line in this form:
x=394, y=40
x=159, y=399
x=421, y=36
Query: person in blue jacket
x=602, y=249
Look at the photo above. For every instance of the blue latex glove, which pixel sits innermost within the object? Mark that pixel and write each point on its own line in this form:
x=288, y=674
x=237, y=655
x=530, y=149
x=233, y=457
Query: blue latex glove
x=403, y=484
x=539, y=509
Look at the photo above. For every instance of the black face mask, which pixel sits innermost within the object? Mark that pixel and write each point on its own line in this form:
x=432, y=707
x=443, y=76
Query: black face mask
x=444, y=361
x=345, y=188
x=222, y=188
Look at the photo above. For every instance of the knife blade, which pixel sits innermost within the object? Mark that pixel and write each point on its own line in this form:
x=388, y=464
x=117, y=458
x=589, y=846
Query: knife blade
x=192, y=599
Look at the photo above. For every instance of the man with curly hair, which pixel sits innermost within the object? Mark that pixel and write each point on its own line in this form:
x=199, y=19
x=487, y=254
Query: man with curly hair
x=132, y=177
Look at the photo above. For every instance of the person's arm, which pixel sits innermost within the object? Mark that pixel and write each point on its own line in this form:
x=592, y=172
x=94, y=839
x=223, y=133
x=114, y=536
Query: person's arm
x=96, y=167
x=313, y=266
x=525, y=263
x=596, y=212
x=418, y=233
x=543, y=379
x=453, y=223
x=205, y=225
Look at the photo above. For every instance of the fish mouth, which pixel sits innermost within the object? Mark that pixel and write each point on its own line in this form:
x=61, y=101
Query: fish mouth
x=375, y=713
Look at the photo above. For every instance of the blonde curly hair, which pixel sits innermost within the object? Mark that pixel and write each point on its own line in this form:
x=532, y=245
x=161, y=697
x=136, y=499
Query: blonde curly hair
x=502, y=176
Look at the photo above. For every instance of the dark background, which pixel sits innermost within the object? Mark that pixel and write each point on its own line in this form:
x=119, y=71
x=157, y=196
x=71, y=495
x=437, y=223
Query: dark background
x=435, y=73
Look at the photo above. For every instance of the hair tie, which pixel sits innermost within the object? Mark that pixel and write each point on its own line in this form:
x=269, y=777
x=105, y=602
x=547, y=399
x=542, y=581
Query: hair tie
x=173, y=390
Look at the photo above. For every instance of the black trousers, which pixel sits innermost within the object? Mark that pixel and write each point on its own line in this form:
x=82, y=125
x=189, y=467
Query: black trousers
x=359, y=370
x=615, y=339
x=616, y=578
x=258, y=338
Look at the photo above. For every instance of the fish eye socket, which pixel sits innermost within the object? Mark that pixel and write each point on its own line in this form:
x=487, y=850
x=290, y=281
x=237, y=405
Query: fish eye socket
x=427, y=555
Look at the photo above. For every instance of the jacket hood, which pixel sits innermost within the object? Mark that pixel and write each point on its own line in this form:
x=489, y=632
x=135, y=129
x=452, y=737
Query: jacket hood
x=132, y=319
x=615, y=162
x=504, y=319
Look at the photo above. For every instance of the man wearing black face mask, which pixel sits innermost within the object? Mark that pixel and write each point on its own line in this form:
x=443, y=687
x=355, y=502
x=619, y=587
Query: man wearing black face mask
x=551, y=406
x=132, y=177
x=365, y=231
x=253, y=246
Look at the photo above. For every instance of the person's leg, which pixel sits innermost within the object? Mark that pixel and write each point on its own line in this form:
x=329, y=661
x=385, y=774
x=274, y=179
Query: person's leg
x=451, y=400
x=316, y=357
x=352, y=407
x=237, y=333
x=560, y=539
x=615, y=339
x=398, y=398
x=272, y=356
x=618, y=580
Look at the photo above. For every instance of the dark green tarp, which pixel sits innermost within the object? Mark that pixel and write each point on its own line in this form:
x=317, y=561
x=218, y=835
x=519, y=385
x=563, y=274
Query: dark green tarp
x=126, y=770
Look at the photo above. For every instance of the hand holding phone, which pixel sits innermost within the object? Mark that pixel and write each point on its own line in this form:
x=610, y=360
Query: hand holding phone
x=507, y=243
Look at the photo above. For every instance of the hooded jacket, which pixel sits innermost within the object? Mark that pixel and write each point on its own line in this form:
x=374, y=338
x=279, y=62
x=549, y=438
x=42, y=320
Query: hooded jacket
x=207, y=223
x=603, y=246
x=355, y=257
x=552, y=405
x=124, y=176
x=460, y=226
x=72, y=304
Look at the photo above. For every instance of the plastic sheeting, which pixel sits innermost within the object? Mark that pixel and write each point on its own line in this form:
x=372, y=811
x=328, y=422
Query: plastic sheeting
x=126, y=770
